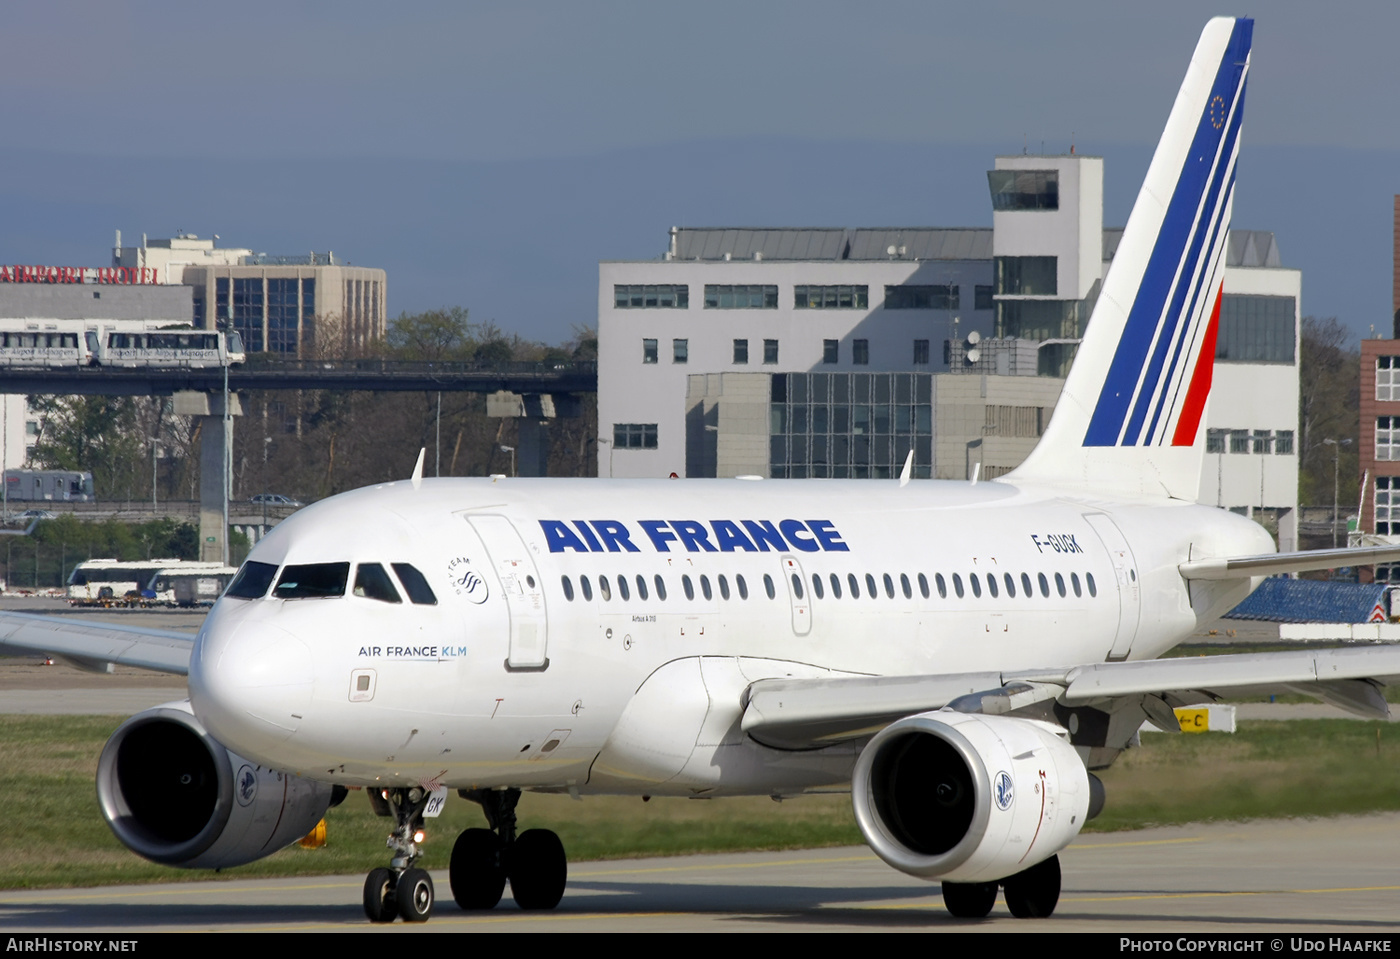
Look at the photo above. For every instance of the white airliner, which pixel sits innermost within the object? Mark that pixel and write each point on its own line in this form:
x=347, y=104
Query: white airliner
x=960, y=654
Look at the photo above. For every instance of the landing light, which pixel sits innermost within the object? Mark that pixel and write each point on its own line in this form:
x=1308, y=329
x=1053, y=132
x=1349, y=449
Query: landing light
x=418, y=836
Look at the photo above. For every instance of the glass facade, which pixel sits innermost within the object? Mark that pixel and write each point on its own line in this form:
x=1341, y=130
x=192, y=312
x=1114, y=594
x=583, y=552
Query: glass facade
x=660, y=296
x=831, y=297
x=850, y=425
x=1256, y=329
x=1024, y=189
x=248, y=311
x=283, y=310
x=909, y=297
x=1024, y=275
x=634, y=436
x=1388, y=378
x=752, y=296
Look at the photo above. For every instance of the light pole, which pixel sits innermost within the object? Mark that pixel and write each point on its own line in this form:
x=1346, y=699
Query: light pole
x=267, y=441
x=155, y=446
x=609, y=444
x=511, y=451
x=1336, y=480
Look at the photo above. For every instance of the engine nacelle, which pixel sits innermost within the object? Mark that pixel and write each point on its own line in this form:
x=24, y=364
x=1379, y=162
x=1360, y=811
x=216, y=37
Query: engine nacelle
x=174, y=795
x=967, y=797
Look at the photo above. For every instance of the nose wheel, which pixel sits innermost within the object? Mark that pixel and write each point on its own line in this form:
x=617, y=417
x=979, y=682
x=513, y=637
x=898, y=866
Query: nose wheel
x=483, y=860
x=402, y=890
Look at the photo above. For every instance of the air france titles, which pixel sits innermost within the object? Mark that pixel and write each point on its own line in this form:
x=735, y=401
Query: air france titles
x=693, y=536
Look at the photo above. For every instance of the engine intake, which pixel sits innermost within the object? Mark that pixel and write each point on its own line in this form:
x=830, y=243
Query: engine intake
x=969, y=798
x=173, y=794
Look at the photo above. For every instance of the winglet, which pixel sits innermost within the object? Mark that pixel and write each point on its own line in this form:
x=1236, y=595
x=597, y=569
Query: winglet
x=418, y=467
x=908, y=470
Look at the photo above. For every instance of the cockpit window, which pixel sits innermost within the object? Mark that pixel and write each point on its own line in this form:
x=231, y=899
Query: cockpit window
x=312, y=581
x=371, y=582
x=418, y=589
x=252, y=581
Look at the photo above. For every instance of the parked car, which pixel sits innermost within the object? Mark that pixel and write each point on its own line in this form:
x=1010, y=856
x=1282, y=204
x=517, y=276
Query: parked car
x=274, y=499
x=38, y=514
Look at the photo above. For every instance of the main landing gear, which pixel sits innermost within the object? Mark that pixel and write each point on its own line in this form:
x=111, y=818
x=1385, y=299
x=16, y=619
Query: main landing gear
x=483, y=859
x=1030, y=894
x=402, y=889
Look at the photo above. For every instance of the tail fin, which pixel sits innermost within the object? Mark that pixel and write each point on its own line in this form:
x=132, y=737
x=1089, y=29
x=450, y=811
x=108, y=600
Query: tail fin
x=1129, y=419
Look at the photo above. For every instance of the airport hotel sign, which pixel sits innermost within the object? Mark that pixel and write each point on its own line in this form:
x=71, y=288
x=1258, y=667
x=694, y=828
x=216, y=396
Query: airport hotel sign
x=107, y=275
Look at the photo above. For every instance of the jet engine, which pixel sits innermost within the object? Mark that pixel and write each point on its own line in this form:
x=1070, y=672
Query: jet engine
x=174, y=795
x=967, y=797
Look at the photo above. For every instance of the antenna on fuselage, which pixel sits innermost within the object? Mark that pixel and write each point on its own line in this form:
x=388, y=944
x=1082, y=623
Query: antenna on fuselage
x=418, y=467
x=908, y=470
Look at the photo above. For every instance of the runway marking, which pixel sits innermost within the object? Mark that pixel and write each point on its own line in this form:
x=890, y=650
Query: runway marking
x=1185, y=895
x=163, y=889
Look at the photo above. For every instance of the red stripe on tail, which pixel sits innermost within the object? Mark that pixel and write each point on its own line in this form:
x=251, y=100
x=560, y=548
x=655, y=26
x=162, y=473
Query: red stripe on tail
x=1190, y=420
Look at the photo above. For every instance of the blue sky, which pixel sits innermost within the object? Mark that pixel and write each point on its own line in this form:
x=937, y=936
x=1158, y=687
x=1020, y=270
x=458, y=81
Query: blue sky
x=490, y=154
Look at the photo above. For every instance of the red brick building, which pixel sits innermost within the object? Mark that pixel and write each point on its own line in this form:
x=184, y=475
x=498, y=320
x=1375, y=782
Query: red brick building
x=1380, y=428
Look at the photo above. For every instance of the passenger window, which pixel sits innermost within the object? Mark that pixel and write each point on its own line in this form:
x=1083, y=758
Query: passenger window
x=641, y=587
x=976, y=585
x=1060, y=585
x=768, y=586
x=1044, y=585
x=992, y=584
x=852, y=582
x=604, y=590
x=904, y=585
x=723, y=586
x=942, y=585
x=743, y=586
x=957, y=585
x=889, y=587
x=1026, y=586
x=568, y=588
x=835, y=586
x=252, y=581
x=817, y=586
x=870, y=588
x=923, y=586
x=1074, y=581
x=622, y=588
x=420, y=594
x=372, y=582
x=705, y=587
x=587, y=588
x=1010, y=585
x=660, y=588
x=1089, y=580
x=688, y=587
x=797, y=585
x=312, y=581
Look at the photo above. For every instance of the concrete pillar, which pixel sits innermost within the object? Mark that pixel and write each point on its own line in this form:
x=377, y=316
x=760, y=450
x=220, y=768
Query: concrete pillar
x=215, y=465
x=532, y=447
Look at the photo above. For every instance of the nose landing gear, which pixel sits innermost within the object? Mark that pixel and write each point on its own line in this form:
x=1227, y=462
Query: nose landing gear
x=483, y=859
x=402, y=889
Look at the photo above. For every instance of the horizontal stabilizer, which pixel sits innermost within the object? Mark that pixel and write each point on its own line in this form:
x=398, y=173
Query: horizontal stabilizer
x=1271, y=564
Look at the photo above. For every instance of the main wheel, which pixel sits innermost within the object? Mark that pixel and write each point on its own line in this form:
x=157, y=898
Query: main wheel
x=380, y=902
x=969, y=900
x=476, y=874
x=1033, y=893
x=415, y=895
x=538, y=869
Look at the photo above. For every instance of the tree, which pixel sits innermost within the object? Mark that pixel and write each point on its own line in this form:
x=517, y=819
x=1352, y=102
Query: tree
x=101, y=434
x=1329, y=376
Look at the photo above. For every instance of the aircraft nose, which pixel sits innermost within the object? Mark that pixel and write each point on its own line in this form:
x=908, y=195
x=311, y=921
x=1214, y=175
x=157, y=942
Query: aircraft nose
x=251, y=684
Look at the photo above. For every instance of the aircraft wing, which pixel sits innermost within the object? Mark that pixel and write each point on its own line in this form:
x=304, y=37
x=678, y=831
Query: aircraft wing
x=807, y=713
x=1270, y=564
x=96, y=646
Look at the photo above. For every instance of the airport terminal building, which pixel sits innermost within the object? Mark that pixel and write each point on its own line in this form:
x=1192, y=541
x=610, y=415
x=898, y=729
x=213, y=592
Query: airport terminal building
x=831, y=352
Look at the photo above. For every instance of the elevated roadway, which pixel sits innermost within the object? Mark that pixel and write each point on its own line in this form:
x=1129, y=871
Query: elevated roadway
x=259, y=374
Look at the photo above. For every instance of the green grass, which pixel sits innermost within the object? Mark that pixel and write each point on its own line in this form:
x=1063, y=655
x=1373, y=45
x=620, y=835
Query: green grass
x=55, y=835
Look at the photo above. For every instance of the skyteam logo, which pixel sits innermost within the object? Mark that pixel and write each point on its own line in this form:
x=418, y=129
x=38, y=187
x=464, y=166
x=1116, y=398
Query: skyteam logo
x=246, y=787
x=1003, y=791
x=466, y=581
x=1156, y=386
